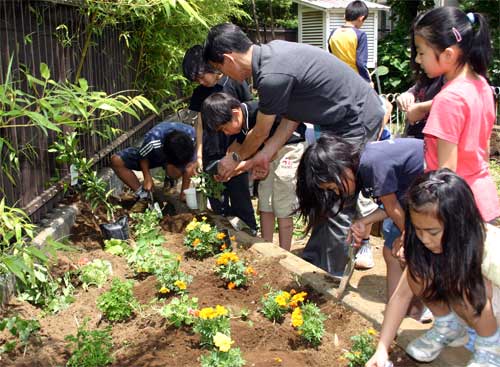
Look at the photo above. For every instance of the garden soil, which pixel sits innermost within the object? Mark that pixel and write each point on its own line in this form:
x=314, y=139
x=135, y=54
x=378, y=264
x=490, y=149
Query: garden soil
x=148, y=340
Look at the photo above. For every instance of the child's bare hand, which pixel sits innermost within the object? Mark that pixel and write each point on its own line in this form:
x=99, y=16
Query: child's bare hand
x=405, y=100
x=379, y=359
x=357, y=232
x=398, y=250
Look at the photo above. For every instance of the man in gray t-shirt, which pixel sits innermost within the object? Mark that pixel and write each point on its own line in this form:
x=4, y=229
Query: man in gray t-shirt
x=299, y=82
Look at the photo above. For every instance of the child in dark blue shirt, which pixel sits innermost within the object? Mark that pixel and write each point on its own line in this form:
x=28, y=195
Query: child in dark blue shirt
x=169, y=145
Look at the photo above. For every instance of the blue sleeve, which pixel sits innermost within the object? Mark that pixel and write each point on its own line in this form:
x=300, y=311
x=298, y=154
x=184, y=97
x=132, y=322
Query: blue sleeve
x=362, y=56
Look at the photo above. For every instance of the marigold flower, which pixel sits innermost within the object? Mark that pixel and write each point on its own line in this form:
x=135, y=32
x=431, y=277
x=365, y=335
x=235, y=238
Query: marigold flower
x=179, y=258
x=196, y=242
x=372, y=331
x=231, y=285
x=164, y=290
x=299, y=297
x=180, y=284
x=192, y=225
x=222, y=341
x=220, y=235
x=292, y=291
x=249, y=270
x=297, y=319
x=281, y=300
x=204, y=218
x=278, y=359
x=207, y=313
x=232, y=238
x=205, y=228
x=220, y=310
x=223, y=247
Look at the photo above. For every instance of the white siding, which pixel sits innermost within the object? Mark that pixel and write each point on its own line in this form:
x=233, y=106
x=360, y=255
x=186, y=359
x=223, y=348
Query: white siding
x=311, y=27
x=335, y=18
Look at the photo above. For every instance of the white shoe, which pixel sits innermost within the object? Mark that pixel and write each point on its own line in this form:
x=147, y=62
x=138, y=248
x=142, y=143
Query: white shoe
x=447, y=331
x=487, y=351
x=364, y=258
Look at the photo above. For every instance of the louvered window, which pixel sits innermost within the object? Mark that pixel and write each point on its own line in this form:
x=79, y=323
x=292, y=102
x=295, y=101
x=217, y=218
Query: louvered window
x=312, y=28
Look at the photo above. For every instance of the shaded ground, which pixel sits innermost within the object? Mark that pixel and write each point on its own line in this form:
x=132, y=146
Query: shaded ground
x=147, y=340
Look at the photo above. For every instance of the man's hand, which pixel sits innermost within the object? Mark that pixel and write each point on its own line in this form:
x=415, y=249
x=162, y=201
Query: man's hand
x=148, y=183
x=226, y=167
x=260, y=165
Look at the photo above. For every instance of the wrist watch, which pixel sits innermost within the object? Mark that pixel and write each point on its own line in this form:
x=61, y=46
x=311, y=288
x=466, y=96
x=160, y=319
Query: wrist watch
x=236, y=157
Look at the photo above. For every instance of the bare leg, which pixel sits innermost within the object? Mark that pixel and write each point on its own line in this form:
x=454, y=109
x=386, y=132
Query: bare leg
x=126, y=175
x=267, y=225
x=285, y=227
x=394, y=271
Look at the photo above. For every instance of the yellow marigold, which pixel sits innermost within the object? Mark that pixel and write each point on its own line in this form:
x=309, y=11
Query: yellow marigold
x=192, y=225
x=164, y=290
x=232, y=238
x=205, y=227
x=224, y=258
x=203, y=218
x=180, y=284
x=292, y=291
x=299, y=297
x=231, y=285
x=249, y=270
x=222, y=341
x=372, y=331
x=220, y=235
x=220, y=310
x=194, y=220
x=179, y=258
x=281, y=300
x=207, y=313
x=297, y=319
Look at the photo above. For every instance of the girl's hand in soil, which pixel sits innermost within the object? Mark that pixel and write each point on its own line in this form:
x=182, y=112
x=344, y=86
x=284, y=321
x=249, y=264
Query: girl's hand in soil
x=379, y=359
x=398, y=250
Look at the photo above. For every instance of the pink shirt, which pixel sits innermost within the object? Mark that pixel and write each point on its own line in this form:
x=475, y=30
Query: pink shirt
x=463, y=113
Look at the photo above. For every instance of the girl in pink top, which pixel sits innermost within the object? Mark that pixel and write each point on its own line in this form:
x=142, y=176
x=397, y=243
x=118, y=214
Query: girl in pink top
x=448, y=42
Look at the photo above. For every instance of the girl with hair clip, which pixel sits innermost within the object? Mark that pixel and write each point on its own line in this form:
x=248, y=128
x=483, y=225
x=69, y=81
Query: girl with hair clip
x=453, y=267
x=449, y=43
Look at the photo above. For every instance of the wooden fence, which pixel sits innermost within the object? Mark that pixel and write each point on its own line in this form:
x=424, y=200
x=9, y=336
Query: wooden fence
x=29, y=33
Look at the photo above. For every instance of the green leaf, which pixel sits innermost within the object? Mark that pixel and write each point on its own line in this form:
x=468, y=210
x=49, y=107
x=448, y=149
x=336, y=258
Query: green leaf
x=44, y=71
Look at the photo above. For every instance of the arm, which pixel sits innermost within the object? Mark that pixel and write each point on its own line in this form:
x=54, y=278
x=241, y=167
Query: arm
x=260, y=162
x=253, y=141
x=362, y=57
x=394, y=315
x=148, y=180
x=447, y=154
x=394, y=210
x=199, y=142
x=418, y=111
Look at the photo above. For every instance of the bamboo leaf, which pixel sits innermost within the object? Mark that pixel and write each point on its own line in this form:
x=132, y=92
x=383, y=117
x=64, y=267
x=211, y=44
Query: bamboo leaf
x=44, y=71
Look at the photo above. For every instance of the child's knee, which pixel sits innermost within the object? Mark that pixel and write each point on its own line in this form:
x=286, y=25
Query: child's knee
x=117, y=161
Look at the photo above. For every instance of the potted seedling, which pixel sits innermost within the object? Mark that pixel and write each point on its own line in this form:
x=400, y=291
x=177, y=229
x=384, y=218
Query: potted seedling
x=206, y=187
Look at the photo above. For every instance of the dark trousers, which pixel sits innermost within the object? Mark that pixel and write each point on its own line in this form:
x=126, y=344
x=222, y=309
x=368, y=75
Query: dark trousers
x=236, y=201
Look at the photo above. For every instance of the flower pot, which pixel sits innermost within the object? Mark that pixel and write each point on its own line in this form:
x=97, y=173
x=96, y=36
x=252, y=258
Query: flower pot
x=118, y=229
x=191, y=201
x=201, y=199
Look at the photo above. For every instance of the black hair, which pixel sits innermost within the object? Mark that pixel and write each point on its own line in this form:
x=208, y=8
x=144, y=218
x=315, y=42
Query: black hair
x=222, y=39
x=455, y=274
x=179, y=148
x=216, y=110
x=356, y=9
x=325, y=161
x=447, y=26
x=193, y=64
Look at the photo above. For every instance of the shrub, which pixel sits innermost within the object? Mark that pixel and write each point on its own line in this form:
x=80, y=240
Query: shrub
x=91, y=348
x=363, y=347
x=309, y=321
x=118, y=303
x=202, y=239
x=181, y=311
x=232, y=270
x=95, y=273
x=211, y=321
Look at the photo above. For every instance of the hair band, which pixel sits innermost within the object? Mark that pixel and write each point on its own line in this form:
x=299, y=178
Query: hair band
x=472, y=18
x=457, y=34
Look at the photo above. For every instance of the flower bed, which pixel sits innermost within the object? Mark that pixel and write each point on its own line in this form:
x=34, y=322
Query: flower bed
x=147, y=338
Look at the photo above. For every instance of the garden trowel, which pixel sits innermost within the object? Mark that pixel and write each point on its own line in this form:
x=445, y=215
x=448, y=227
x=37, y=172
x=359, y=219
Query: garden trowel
x=154, y=206
x=349, y=269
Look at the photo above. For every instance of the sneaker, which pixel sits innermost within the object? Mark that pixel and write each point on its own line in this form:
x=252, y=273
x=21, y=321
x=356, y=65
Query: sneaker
x=447, y=331
x=140, y=206
x=487, y=351
x=364, y=258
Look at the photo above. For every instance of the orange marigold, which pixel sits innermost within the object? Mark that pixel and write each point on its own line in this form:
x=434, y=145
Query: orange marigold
x=231, y=285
